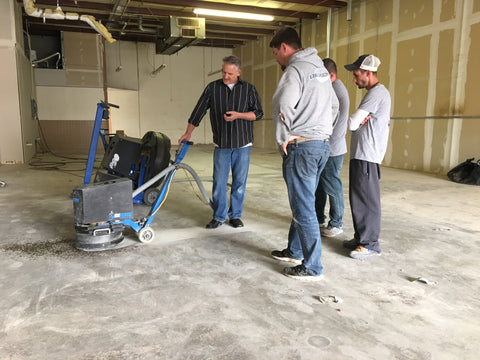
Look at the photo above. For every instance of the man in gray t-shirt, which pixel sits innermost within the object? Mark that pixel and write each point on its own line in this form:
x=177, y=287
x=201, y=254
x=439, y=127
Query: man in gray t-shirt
x=330, y=183
x=369, y=125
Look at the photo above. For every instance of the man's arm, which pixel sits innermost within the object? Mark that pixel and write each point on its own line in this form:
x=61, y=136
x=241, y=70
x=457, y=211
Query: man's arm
x=233, y=115
x=188, y=133
x=358, y=118
x=286, y=97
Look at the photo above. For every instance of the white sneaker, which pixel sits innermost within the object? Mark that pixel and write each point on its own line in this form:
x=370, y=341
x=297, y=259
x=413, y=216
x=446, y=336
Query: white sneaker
x=330, y=231
x=362, y=253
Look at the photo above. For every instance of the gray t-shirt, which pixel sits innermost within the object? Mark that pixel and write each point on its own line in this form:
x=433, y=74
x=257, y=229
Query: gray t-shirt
x=369, y=141
x=338, y=144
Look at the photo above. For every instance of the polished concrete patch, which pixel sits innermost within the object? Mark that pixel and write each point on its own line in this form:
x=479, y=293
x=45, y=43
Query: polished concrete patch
x=195, y=293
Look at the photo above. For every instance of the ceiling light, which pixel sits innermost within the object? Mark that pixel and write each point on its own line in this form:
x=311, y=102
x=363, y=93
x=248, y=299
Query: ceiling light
x=233, y=14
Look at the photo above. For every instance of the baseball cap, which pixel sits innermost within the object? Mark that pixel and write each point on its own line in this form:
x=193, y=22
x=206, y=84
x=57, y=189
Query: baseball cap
x=364, y=62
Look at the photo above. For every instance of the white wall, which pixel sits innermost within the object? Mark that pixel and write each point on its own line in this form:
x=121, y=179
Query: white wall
x=127, y=117
x=165, y=100
x=67, y=103
x=11, y=134
x=18, y=128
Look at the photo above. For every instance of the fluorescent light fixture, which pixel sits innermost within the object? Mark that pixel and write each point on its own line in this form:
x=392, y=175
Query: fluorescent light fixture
x=233, y=14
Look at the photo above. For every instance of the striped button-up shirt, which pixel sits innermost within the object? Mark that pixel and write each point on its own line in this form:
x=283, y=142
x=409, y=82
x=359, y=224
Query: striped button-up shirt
x=219, y=99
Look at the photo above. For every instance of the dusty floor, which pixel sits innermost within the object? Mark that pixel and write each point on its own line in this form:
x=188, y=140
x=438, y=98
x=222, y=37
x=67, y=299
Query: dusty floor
x=217, y=294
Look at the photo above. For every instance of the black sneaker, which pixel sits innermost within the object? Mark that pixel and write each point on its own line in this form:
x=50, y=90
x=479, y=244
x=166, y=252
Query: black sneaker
x=284, y=255
x=350, y=244
x=236, y=223
x=300, y=273
x=214, y=224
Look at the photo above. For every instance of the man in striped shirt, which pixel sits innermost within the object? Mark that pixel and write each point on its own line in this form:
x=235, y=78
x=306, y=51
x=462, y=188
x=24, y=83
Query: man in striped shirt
x=234, y=105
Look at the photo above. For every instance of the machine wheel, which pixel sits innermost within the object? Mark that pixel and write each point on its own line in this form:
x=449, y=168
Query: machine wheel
x=146, y=235
x=150, y=196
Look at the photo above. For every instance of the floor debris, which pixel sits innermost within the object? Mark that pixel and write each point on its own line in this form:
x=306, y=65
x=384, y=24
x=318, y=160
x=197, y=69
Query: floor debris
x=330, y=299
x=425, y=281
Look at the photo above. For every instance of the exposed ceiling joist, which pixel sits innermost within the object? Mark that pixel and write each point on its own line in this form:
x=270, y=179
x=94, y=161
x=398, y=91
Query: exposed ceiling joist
x=143, y=20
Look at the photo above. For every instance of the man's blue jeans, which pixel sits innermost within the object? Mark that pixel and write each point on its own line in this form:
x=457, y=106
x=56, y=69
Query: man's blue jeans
x=238, y=160
x=331, y=185
x=301, y=170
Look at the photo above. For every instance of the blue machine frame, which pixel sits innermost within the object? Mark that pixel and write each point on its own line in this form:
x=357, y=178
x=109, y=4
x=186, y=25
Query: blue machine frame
x=103, y=113
x=141, y=227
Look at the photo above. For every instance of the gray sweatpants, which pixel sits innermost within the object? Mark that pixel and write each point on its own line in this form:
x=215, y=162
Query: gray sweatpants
x=364, y=194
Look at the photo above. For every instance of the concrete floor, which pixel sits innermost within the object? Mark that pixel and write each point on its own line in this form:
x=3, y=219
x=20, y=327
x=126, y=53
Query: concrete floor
x=217, y=294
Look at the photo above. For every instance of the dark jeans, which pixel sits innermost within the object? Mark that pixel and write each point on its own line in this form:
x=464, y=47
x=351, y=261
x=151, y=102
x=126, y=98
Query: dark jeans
x=331, y=185
x=301, y=170
x=364, y=179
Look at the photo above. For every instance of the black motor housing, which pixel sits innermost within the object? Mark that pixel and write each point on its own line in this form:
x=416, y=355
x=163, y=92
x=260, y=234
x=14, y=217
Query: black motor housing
x=157, y=148
x=98, y=209
x=123, y=157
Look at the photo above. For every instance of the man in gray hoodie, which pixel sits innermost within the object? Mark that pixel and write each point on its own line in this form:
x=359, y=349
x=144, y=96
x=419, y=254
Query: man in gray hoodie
x=304, y=108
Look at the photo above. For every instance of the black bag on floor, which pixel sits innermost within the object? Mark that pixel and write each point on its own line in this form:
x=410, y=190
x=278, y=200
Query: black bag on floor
x=467, y=172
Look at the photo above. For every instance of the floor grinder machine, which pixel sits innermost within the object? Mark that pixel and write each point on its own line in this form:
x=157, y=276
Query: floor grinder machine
x=102, y=210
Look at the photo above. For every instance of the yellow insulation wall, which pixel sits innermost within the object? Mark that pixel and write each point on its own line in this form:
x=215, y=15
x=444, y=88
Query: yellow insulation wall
x=429, y=51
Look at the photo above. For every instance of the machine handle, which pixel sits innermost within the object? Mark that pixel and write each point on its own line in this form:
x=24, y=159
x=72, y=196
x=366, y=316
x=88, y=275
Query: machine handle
x=181, y=145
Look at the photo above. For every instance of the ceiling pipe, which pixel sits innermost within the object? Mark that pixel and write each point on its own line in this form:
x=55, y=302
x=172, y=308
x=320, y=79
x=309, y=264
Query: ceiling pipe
x=141, y=28
x=35, y=62
x=329, y=31
x=58, y=14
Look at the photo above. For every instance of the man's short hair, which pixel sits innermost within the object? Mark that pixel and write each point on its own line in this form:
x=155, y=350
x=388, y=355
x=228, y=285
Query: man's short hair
x=233, y=60
x=330, y=65
x=288, y=36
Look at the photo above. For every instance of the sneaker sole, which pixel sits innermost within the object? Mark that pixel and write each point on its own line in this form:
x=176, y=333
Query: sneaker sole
x=310, y=278
x=290, y=260
x=364, y=256
x=331, y=235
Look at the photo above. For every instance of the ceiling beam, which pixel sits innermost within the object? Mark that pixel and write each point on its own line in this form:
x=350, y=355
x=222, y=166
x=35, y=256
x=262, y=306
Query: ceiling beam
x=78, y=6
x=220, y=43
x=325, y=3
x=262, y=31
x=145, y=8
x=224, y=35
x=239, y=8
x=123, y=21
x=38, y=27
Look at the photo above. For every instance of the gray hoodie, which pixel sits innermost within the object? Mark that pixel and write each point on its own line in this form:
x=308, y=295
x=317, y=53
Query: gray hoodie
x=304, y=103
